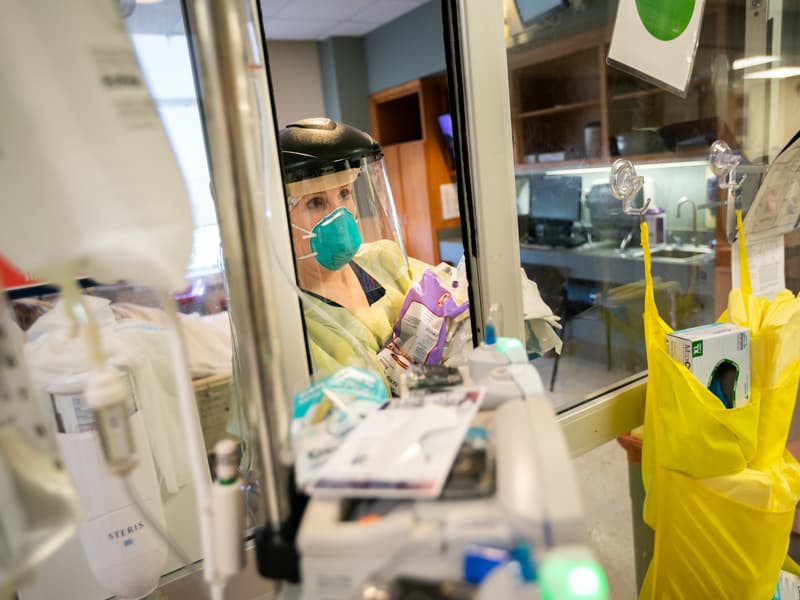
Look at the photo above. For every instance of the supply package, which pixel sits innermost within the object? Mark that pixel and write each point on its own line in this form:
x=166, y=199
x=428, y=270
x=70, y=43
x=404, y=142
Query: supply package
x=405, y=450
x=719, y=356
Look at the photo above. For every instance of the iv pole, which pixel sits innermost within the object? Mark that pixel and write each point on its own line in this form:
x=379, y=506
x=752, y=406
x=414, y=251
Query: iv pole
x=230, y=116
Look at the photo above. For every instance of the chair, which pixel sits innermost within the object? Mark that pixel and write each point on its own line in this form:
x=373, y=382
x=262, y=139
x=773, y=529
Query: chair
x=621, y=309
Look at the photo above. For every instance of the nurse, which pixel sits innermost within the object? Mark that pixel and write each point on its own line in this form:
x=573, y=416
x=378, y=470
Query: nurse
x=349, y=254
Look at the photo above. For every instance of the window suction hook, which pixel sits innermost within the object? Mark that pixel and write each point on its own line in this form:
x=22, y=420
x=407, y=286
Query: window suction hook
x=625, y=183
x=723, y=163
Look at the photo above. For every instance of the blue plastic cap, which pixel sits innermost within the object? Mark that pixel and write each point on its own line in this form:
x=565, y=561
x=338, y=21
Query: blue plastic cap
x=523, y=555
x=489, y=334
x=479, y=561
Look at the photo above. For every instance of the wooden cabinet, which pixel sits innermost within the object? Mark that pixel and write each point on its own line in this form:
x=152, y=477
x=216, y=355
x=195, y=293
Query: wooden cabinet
x=559, y=89
x=405, y=123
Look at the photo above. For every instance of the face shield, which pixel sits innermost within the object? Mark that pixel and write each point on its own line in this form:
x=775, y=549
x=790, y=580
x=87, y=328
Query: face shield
x=344, y=226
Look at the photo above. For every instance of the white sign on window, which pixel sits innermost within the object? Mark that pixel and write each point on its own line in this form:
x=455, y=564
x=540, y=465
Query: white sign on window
x=657, y=40
x=448, y=196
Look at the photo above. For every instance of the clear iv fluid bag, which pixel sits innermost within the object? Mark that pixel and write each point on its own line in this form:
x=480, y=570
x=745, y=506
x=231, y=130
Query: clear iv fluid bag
x=95, y=185
x=39, y=508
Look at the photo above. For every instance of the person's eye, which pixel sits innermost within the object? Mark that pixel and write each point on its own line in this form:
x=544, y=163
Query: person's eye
x=316, y=203
x=345, y=194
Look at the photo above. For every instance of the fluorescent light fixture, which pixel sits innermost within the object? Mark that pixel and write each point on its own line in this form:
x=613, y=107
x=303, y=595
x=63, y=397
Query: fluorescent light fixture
x=639, y=167
x=147, y=1
x=776, y=73
x=753, y=61
x=578, y=170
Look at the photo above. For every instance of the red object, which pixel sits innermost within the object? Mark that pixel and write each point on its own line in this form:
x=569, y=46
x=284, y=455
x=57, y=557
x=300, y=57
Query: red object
x=11, y=277
x=193, y=293
x=633, y=446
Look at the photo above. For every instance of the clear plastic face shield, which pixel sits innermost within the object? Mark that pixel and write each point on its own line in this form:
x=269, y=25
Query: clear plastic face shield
x=343, y=222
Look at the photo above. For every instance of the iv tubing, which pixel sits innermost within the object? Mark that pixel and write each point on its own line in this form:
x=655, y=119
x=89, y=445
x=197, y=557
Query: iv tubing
x=171, y=542
x=198, y=462
x=91, y=329
x=257, y=79
x=74, y=298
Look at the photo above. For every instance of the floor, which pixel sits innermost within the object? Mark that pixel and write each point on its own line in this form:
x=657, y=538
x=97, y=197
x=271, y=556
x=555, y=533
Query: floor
x=602, y=473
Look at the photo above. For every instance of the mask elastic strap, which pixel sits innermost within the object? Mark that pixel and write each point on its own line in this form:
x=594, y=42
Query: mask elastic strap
x=308, y=235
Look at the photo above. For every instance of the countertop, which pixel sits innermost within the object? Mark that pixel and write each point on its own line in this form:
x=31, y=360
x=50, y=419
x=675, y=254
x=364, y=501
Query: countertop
x=691, y=266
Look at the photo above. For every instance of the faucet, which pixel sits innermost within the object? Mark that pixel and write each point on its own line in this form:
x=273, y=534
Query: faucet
x=626, y=240
x=686, y=200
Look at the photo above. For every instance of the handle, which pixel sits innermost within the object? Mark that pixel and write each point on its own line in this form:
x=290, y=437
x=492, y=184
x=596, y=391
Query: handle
x=625, y=183
x=723, y=163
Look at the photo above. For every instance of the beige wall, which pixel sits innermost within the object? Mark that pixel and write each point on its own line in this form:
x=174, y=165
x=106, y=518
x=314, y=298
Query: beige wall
x=296, y=80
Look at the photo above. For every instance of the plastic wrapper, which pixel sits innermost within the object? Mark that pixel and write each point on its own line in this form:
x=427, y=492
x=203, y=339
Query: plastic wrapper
x=427, y=329
x=324, y=414
x=540, y=322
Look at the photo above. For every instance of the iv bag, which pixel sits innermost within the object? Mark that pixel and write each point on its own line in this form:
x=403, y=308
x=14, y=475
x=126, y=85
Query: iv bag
x=84, y=159
x=40, y=509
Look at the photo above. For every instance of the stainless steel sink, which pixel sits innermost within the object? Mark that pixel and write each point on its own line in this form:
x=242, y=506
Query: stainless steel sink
x=677, y=253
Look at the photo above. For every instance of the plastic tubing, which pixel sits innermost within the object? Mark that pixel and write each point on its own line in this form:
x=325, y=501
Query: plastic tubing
x=198, y=462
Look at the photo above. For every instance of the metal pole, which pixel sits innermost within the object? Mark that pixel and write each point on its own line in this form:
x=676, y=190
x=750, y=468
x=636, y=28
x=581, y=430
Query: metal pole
x=232, y=128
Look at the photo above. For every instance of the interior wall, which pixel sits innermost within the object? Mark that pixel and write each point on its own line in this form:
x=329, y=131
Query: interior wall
x=410, y=47
x=344, y=80
x=296, y=80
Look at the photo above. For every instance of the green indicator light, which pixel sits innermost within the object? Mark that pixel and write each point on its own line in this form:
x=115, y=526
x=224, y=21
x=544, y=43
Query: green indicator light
x=584, y=582
x=570, y=576
x=506, y=343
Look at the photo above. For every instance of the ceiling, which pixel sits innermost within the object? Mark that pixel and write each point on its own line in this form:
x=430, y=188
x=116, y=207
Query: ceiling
x=321, y=19
x=287, y=19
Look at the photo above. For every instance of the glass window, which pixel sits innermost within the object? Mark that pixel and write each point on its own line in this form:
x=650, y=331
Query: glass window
x=164, y=56
x=573, y=114
x=404, y=198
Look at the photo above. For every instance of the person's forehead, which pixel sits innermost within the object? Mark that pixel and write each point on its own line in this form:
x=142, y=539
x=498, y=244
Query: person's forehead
x=329, y=181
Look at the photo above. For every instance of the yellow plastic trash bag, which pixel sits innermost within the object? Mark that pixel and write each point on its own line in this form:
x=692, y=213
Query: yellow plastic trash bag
x=708, y=545
x=720, y=489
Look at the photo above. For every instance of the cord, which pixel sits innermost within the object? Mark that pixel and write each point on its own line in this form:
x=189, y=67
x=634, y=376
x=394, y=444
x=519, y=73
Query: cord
x=306, y=298
x=198, y=461
x=172, y=543
x=217, y=591
x=73, y=298
x=152, y=521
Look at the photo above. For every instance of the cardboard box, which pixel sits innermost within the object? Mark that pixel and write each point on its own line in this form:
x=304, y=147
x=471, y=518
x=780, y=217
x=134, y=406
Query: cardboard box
x=719, y=356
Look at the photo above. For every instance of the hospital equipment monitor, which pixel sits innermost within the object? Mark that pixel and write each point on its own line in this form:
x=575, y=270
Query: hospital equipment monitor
x=555, y=198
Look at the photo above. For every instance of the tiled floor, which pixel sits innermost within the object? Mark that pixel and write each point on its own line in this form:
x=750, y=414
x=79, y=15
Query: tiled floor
x=602, y=473
x=603, y=477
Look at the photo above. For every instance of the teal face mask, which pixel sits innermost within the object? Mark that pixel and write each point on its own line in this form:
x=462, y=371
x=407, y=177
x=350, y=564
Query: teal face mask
x=334, y=240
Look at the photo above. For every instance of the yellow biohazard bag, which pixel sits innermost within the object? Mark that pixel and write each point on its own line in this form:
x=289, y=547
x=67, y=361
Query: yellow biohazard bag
x=720, y=488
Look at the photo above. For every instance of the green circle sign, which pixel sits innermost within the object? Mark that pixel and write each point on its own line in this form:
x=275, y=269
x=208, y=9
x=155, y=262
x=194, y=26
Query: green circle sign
x=665, y=19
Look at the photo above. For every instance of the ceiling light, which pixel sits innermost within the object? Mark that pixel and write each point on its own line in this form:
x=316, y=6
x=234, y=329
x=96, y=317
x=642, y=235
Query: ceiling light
x=777, y=73
x=752, y=61
x=661, y=165
x=147, y=1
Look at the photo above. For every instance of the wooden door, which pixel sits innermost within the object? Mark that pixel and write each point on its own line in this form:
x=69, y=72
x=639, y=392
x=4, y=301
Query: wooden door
x=405, y=167
x=419, y=236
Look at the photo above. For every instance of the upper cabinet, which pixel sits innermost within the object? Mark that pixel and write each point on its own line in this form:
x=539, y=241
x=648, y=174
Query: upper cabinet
x=405, y=121
x=569, y=107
